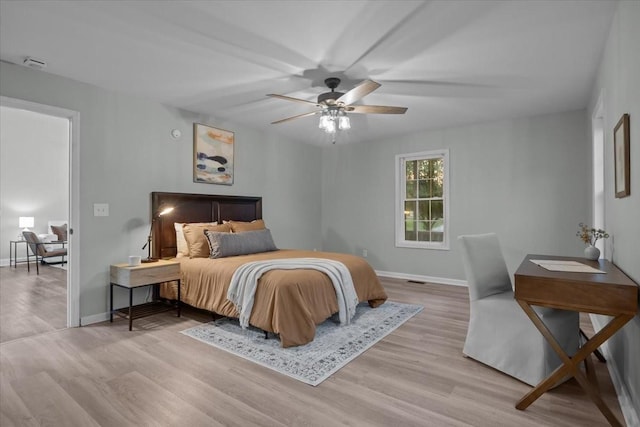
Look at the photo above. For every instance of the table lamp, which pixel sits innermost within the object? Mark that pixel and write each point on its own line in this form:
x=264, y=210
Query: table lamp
x=162, y=212
x=25, y=222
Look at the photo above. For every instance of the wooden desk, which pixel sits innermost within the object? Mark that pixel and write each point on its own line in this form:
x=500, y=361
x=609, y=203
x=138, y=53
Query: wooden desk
x=612, y=294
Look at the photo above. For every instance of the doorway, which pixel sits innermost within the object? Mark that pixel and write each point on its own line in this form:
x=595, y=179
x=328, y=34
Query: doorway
x=72, y=120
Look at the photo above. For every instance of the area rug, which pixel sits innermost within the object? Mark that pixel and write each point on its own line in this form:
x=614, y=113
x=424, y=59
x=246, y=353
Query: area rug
x=333, y=347
x=60, y=266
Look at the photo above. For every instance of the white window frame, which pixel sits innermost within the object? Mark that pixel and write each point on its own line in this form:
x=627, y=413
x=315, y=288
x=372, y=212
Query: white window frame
x=401, y=189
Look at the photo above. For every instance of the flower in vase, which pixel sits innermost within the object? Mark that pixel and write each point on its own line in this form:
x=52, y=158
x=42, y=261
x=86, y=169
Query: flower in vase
x=590, y=235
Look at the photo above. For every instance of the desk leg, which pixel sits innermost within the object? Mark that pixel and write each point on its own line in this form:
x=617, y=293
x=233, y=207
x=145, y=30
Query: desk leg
x=130, y=308
x=571, y=365
x=596, y=351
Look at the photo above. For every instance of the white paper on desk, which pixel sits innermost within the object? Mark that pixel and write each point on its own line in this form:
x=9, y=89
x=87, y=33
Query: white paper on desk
x=569, y=266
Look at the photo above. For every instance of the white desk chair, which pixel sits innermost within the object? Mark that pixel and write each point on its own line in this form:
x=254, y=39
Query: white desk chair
x=500, y=334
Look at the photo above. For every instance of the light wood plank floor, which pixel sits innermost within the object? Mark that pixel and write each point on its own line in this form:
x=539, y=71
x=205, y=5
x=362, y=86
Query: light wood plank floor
x=154, y=376
x=31, y=304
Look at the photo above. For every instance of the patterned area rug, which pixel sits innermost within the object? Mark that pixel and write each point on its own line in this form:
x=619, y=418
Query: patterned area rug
x=333, y=347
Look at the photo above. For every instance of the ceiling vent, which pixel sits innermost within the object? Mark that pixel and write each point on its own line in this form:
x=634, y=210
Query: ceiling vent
x=38, y=64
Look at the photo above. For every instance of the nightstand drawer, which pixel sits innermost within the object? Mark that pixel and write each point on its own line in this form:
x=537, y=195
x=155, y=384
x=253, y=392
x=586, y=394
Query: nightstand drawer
x=145, y=274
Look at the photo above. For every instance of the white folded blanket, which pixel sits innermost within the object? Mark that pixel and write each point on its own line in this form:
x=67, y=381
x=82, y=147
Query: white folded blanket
x=245, y=280
x=46, y=238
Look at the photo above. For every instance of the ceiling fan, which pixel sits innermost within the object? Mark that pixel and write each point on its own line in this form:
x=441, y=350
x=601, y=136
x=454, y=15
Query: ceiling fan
x=333, y=106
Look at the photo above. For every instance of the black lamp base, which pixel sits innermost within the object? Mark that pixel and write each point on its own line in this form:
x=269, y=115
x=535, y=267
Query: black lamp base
x=147, y=260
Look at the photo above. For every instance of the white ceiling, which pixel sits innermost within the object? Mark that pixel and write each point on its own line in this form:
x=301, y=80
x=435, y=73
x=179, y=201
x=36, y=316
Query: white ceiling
x=449, y=62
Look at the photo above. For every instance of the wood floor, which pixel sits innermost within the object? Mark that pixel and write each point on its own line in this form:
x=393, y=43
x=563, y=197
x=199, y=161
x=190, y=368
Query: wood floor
x=104, y=375
x=31, y=304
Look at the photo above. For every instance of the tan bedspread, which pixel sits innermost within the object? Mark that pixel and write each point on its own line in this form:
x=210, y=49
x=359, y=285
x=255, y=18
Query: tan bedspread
x=287, y=302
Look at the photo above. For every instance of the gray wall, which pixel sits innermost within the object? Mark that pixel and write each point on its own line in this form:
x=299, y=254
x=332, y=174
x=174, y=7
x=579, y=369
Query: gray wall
x=34, y=173
x=619, y=82
x=126, y=152
x=527, y=180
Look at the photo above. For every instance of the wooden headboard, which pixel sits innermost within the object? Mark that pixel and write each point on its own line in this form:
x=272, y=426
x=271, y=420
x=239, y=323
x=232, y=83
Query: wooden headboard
x=196, y=208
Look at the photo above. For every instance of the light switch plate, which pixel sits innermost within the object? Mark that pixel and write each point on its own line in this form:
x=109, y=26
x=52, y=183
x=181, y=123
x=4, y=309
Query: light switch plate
x=100, y=209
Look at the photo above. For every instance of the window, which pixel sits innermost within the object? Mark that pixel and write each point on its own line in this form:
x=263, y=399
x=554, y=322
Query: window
x=422, y=200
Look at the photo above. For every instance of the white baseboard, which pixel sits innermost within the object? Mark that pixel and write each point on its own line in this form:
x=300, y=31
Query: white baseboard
x=630, y=413
x=94, y=318
x=419, y=278
x=6, y=262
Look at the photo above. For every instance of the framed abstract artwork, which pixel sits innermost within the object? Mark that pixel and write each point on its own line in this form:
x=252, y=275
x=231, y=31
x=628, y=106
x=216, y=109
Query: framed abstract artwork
x=212, y=155
x=621, y=156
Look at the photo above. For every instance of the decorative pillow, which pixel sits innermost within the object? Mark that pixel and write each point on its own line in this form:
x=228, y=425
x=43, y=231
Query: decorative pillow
x=196, y=239
x=60, y=231
x=181, y=243
x=231, y=244
x=241, y=227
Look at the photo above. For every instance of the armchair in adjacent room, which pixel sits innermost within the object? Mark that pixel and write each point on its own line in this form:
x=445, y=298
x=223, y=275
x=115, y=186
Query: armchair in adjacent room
x=500, y=334
x=39, y=250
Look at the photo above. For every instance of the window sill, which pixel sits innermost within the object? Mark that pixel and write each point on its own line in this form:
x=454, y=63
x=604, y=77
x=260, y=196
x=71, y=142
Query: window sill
x=432, y=246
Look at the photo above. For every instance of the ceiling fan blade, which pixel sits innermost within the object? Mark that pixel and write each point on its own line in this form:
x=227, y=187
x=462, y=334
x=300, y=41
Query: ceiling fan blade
x=288, y=98
x=295, y=117
x=375, y=109
x=355, y=94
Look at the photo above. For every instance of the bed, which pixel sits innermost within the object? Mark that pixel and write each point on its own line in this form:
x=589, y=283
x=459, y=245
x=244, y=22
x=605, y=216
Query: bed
x=289, y=303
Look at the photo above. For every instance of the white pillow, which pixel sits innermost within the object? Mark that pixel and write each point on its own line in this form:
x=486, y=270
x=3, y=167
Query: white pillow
x=181, y=243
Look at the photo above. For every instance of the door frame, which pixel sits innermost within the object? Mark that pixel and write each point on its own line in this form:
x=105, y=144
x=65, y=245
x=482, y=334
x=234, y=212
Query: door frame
x=73, y=246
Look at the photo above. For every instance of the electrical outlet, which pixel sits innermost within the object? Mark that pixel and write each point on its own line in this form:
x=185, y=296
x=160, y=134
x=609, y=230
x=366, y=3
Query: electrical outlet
x=365, y=253
x=100, y=209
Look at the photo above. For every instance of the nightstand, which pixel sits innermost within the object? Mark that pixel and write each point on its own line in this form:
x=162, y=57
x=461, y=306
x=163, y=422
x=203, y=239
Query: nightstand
x=149, y=274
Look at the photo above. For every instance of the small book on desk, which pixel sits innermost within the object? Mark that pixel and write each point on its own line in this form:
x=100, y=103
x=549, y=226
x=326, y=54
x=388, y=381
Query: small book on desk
x=568, y=266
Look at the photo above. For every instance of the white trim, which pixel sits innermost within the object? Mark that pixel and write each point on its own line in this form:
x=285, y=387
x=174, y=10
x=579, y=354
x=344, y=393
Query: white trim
x=73, y=247
x=94, y=318
x=420, y=278
x=400, y=189
x=598, y=189
x=6, y=262
x=629, y=412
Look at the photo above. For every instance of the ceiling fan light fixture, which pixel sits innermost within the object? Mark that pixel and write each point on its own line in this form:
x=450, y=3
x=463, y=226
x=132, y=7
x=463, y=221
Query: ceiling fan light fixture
x=330, y=127
x=343, y=121
x=324, y=120
x=333, y=119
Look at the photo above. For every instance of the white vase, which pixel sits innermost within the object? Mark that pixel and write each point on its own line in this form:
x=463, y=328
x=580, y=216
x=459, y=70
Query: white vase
x=591, y=252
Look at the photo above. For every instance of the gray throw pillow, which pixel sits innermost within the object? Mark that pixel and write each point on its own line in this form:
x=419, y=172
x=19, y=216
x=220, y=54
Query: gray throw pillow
x=231, y=244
